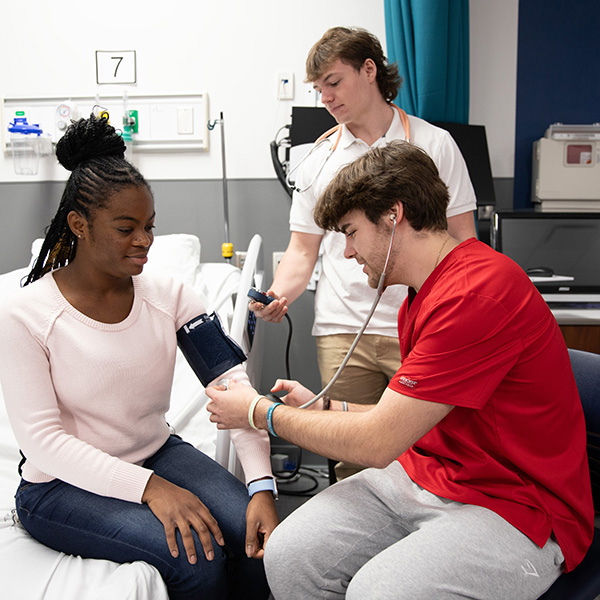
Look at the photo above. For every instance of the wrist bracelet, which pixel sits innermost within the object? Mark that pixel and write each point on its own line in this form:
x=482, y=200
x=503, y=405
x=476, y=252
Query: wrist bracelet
x=326, y=402
x=263, y=485
x=344, y=406
x=270, y=418
x=251, y=411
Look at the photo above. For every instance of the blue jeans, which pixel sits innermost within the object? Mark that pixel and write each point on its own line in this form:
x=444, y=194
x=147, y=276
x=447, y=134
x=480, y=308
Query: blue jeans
x=74, y=521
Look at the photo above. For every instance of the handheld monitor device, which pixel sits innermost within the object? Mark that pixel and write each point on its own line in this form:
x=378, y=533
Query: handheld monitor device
x=259, y=296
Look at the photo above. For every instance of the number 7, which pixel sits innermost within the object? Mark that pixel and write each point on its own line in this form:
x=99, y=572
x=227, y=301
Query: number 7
x=120, y=59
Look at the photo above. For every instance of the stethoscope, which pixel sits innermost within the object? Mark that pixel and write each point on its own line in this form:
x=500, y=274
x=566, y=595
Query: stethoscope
x=380, y=290
x=333, y=145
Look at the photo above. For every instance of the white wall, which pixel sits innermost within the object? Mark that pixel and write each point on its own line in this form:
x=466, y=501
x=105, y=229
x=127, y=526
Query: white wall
x=231, y=49
x=493, y=77
x=234, y=51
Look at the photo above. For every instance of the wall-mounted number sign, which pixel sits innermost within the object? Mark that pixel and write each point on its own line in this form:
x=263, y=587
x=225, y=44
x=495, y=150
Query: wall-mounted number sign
x=115, y=67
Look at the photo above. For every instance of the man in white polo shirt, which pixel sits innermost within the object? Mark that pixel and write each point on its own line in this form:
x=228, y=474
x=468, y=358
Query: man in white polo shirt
x=357, y=86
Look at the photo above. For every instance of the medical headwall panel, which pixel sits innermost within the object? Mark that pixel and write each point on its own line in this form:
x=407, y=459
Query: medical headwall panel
x=156, y=123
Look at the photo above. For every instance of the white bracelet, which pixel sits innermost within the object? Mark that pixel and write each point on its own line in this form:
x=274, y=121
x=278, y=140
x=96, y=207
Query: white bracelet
x=251, y=411
x=344, y=406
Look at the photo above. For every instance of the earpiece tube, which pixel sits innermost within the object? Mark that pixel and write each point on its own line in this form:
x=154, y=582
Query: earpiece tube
x=380, y=289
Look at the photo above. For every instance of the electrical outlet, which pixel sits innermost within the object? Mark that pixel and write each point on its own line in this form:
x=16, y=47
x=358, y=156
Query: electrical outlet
x=285, y=86
x=185, y=121
x=314, y=278
x=240, y=259
x=277, y=256
x=278, y=462
x=132, y=121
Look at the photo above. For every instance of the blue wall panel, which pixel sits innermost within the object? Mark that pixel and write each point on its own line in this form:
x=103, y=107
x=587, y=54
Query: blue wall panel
x=558, y=75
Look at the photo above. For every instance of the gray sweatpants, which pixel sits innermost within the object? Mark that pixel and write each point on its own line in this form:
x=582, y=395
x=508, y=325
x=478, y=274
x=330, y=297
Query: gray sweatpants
x=378, y=535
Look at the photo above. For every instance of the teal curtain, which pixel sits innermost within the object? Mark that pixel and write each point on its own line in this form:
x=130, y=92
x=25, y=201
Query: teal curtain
x=429, y=39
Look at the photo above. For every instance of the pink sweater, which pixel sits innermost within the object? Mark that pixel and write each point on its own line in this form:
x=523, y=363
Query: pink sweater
x=87, y=400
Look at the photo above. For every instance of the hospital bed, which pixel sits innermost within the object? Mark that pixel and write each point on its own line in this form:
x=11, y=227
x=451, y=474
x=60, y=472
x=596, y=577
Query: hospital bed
x=31, y=571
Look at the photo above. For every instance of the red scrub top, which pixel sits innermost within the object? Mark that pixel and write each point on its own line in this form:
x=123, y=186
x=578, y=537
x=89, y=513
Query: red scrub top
x=480, y=337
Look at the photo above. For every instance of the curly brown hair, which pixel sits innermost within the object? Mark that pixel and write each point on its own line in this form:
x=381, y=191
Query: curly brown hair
x=353, y=46
x=373, y=183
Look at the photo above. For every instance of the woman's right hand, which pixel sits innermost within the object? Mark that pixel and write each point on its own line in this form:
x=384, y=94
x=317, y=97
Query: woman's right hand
x=177, y=508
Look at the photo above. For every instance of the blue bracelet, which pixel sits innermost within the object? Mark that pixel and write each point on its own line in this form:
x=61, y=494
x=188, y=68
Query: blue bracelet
x=270, y=418
x=262, y=485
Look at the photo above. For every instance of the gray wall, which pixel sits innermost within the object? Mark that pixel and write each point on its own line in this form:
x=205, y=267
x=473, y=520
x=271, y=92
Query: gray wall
x=255, y=206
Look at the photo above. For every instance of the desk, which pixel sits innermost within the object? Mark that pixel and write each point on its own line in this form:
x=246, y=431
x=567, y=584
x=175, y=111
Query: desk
x=580, y=328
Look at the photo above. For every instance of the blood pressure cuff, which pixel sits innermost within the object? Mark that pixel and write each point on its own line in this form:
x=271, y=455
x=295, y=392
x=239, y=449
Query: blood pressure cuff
x=207, y=348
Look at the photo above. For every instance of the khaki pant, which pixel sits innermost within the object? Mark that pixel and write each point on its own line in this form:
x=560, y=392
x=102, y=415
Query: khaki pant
x=373, y=363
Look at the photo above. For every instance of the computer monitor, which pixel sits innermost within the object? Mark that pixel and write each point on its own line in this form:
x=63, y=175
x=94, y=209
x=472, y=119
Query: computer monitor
x=567, y=245
x=308, y=123
x=472, y=141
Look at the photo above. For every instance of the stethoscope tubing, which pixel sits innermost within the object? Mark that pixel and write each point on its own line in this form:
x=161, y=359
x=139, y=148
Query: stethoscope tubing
x=380, y=290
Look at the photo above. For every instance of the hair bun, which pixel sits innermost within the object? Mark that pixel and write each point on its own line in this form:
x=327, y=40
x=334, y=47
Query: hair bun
x=88, y=139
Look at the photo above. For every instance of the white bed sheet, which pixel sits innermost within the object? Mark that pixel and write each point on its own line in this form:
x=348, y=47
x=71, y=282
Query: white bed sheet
x=31, y=571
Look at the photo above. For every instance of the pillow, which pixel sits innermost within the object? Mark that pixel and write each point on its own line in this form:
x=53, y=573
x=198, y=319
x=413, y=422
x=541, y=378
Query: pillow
x=177, y=254
x=36, y=246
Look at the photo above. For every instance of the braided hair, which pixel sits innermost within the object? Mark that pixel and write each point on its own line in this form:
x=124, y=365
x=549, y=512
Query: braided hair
x=95, y=154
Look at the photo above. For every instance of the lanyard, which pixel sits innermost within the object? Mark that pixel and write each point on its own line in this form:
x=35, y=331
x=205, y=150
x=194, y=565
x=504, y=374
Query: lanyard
x=403, y=119
x=405, y=124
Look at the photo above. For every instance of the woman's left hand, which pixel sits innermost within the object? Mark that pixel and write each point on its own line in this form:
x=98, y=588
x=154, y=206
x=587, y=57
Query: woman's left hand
x=229, y=408
x=261, y=519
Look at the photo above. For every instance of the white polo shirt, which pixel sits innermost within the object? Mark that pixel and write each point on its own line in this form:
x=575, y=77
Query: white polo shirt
x=343, y=297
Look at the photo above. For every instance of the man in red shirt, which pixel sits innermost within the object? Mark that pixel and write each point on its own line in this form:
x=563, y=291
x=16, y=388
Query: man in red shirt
x=481, y=487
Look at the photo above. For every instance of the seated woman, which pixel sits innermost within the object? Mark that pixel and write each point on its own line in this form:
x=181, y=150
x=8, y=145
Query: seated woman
x=87, y=356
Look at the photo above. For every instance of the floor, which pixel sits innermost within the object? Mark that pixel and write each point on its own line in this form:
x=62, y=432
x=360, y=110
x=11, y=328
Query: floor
x=293, y=492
